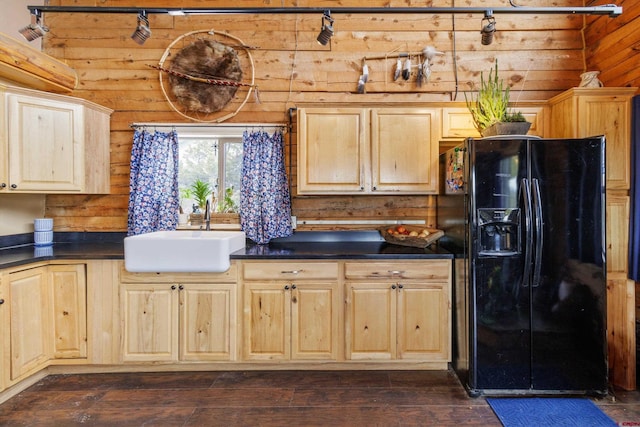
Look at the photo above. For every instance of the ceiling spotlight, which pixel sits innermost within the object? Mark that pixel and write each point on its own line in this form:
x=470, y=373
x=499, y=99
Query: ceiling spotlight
x=327, y=28
x=488, y=28
x=142, y=32
x=36, y=29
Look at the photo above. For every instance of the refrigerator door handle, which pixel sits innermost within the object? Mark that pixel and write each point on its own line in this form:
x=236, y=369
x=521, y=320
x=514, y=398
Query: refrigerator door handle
x=525, y=191
x=537, y=258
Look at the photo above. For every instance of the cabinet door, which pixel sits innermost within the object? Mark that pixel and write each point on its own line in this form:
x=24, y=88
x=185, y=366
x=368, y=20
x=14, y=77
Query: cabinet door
x=45, y=149
x=267, y=320
x=207, y=326
x=423, y=322
x=404, y=150
x=30, y=349
x=5, y=344
x=617, y=233
x=150, y=316
x=333, y=151
x=314, y=315
x=371, y=321
x=609, y=116
x=69, y=290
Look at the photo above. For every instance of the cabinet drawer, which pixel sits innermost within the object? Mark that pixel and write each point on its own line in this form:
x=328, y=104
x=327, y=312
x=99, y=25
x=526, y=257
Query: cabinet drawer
x=229, y=276
x=435, y=270
x=290, y=270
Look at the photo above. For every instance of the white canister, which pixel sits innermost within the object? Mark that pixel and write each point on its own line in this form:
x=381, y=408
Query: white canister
x=43, y=224
x=42, y=238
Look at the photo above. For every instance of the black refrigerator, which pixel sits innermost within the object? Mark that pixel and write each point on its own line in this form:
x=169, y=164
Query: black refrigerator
x=525, y=217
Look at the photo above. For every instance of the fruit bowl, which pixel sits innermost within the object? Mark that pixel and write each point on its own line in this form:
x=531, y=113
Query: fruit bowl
x=417, y=236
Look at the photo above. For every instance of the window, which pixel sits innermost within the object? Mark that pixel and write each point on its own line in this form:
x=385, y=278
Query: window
x=215, y=160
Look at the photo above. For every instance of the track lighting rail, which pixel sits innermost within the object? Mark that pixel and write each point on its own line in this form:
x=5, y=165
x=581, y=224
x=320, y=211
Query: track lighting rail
x=610, y=9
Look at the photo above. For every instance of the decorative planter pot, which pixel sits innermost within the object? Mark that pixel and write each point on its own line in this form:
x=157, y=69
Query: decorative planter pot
x=507, y=128
x=196, y=218
x=225, y=218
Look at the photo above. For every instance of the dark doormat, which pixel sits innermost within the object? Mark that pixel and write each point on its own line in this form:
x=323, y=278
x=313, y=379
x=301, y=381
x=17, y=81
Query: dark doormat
x=543, y=412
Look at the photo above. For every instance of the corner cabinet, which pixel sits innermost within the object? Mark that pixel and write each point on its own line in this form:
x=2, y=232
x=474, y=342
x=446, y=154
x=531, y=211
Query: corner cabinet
x=584, y=112
x=354, y=150
x=171, y=317
x=53, y=143
x=399, y=311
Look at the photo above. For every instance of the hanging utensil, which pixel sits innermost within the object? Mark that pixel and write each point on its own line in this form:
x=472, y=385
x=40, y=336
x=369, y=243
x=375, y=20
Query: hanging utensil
x=406, y=69
x=420, y=75
x=361, y=83
x=398, y=70
x=365, y=72
x=426, y=70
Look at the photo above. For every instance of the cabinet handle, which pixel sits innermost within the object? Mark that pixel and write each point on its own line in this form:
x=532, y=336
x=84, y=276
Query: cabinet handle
x=14, y=186
x=286, y=287
x=400, y=285
x=291, y=271
x=396, y=272
x=375, y=188
x=393, y=286
x=173, y=287
x=3, y=185
x=293, y=286
x=1, y=301
x=180, y=287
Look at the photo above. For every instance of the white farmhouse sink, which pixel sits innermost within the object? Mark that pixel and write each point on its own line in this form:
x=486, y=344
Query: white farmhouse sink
x=181, y=251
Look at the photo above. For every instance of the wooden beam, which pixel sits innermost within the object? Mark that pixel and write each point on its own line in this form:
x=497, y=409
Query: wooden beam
x=22, y=64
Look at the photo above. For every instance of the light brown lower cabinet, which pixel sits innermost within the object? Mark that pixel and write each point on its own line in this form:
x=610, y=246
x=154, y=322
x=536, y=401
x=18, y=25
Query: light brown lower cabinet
x=69, y=307
x=291, y=311
x=44, y=310
x=178, y=317
x=398, y=311
x=29, y=345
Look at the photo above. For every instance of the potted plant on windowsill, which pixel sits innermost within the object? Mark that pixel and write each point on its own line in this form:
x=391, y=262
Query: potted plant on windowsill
x=227, y=210
x=490, y=109
x=200, y=191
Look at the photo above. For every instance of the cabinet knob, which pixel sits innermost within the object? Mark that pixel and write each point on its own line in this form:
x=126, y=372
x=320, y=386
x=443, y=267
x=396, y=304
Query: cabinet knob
x=286, y=287
x=181, y=287
x=173, y=287
x=3, y=185
x=400, y=286
x=293, y=286
x=375, y=188
x=393, y=286
x=14, y=186
x=1, y=301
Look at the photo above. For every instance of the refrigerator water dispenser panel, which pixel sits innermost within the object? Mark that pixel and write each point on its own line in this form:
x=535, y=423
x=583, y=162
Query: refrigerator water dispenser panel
x=499, y=232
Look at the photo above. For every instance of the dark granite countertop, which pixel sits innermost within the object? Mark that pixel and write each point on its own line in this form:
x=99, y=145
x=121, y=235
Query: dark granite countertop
x=19, y=249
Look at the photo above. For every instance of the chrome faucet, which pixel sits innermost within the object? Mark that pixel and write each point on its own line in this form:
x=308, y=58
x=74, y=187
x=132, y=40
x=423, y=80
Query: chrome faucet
x=207, y=217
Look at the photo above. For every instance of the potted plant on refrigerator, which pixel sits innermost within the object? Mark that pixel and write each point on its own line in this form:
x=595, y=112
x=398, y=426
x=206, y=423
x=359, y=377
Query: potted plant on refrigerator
x=490, y=109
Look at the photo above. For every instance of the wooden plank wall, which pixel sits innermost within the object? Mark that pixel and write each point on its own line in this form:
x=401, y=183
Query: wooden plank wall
x=539, y=56
x=612, y=46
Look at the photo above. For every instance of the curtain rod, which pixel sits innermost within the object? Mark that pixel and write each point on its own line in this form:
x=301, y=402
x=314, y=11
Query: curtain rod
x=206, y=125
x=609, y=9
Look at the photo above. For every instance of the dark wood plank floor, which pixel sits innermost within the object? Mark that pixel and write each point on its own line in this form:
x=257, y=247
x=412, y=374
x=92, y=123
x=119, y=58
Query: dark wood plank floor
x=265, y=398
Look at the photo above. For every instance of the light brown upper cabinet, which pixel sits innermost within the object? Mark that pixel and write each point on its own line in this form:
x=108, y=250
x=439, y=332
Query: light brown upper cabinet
x=457, y=122
x=356, y=150
x=583, y=112
x=52, y=143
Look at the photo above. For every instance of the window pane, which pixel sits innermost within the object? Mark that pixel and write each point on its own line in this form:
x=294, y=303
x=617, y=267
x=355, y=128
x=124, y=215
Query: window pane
x=232, y=171
x=198, y=159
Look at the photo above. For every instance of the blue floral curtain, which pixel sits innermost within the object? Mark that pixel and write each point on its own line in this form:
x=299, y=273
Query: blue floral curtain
x=265, y=204
x=153, y=186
